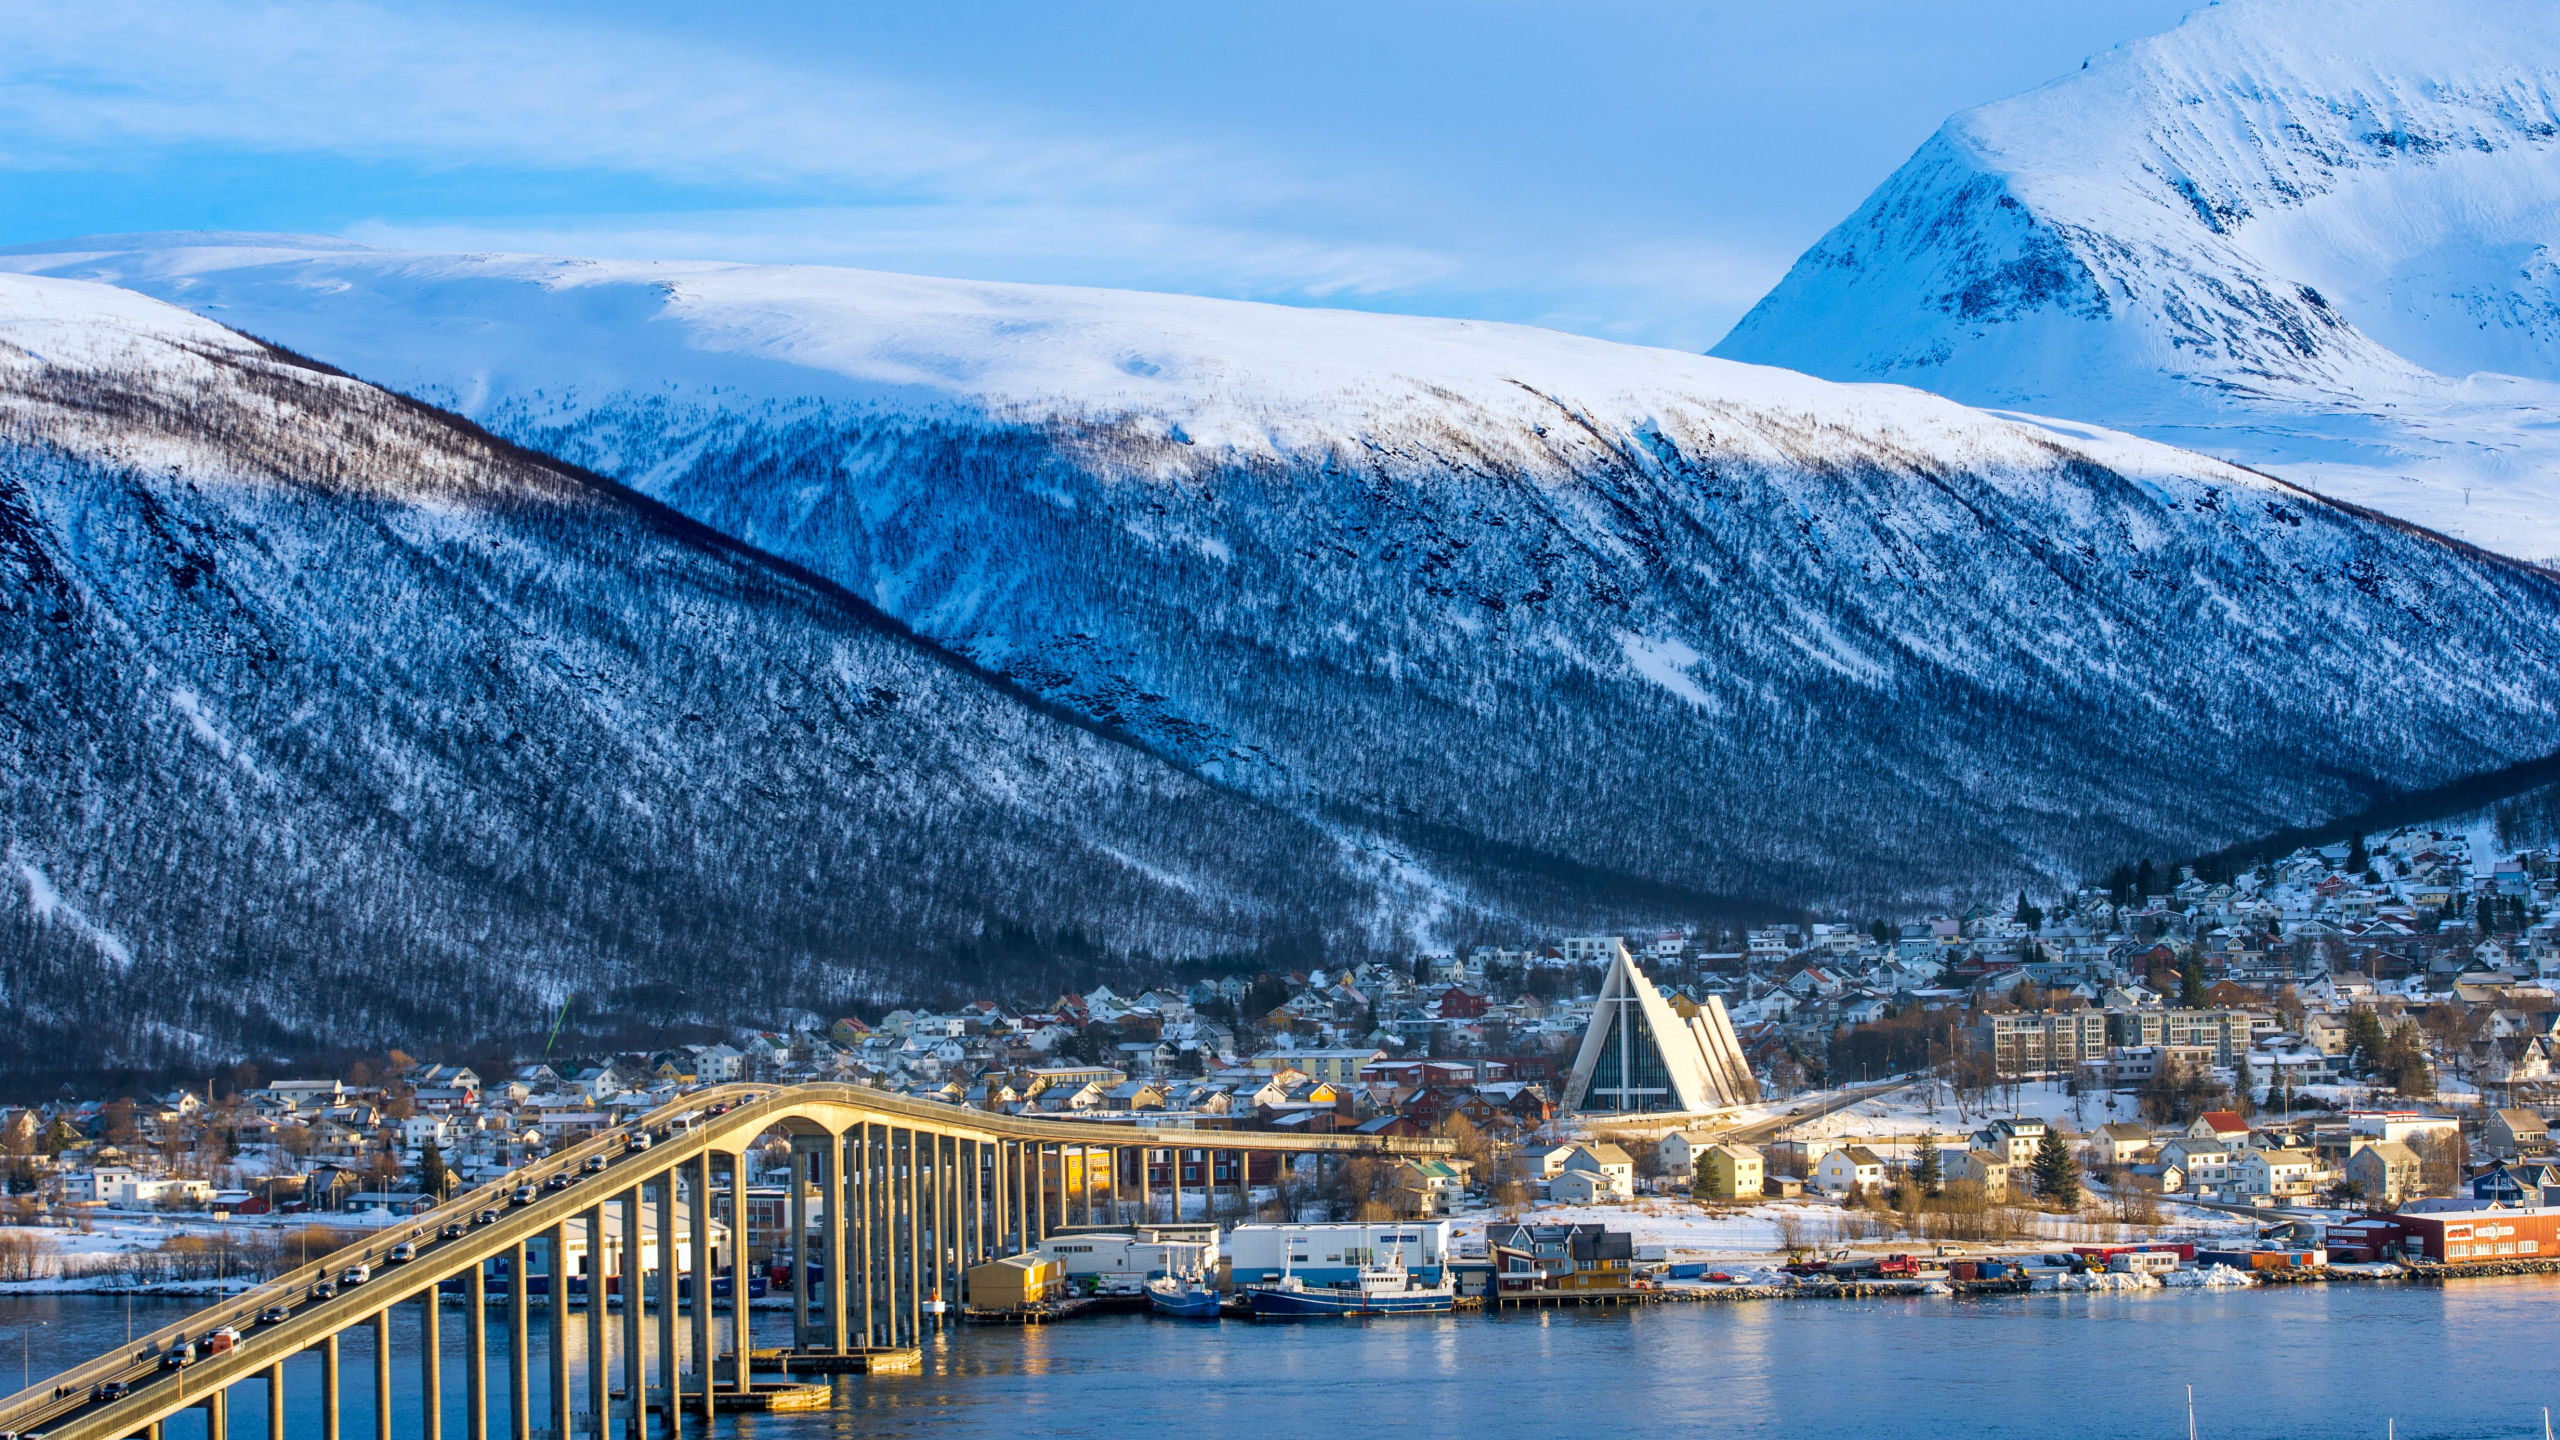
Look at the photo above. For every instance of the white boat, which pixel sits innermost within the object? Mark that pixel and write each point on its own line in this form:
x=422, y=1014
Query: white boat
x=1375, y=1290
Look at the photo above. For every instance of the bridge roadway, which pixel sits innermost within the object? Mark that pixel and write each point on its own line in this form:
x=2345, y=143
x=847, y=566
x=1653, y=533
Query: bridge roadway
x=917, y=1193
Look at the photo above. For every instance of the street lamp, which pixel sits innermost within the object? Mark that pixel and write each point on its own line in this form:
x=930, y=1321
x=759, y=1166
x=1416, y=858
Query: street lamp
x=26, y=1365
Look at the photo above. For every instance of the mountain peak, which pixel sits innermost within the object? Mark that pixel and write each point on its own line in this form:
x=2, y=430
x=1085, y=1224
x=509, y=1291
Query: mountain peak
x=2308, y=237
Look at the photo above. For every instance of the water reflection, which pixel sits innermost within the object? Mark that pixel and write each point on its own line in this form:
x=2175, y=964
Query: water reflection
x=2310, y=1361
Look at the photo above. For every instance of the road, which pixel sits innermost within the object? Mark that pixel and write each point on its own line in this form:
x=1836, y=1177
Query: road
x=1760, y=1130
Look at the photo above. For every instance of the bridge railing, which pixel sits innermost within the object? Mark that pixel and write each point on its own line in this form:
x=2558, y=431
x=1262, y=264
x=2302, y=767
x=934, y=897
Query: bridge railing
x=756, y=1105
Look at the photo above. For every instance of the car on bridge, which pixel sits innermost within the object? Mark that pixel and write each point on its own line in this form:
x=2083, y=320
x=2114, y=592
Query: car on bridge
x=355, y=1275
x=402, y=1253
x=106, y=1390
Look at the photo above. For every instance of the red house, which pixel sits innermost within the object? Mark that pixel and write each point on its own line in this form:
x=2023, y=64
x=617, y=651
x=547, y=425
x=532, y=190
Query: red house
x=1460, y=1003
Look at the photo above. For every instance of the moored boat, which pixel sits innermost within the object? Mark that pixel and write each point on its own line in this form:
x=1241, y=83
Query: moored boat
x=1377, y=1290
x=1182, y=1296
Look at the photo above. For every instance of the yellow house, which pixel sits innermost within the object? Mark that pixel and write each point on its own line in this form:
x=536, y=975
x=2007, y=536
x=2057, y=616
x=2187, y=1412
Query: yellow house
x=1731, y=1172
x=1016, y=1282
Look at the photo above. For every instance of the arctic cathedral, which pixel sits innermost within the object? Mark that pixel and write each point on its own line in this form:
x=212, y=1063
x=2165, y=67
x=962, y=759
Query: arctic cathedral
x=1640, y=1055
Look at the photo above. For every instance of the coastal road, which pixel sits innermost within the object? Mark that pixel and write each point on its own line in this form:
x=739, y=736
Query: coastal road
x=1759, y=1130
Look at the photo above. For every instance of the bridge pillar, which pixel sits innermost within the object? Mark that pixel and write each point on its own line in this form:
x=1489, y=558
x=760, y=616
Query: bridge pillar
x=599, y=1384
x=974, y=1236
x=703, y=1354
x=864, y=1172
x=382, y=1373
x=858, y=1226
x=431, y=1364
x=1175, y=1156
x=328, y=1390
x=915, y=1236
x=475, y=1362
x=557, y=1309
x=942, y=1204
x=667, y=1373
x=948, y=1226
x=217, y=1415
x=635, y=1304
x=741, y=1314
x=519, y=1344
x=839, y=1247
x=275, y=1401
x=799, y=1213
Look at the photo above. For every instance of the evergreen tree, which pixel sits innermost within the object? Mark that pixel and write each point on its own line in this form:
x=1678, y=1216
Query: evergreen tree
x=2245, y=1082
x=2364, y=1038
x=1928, y=1174
x=2028, y=915
x=2191, y=984
x=2145, y=878
x=2358, y=860
x=432, y=1177
x=2057, y=1175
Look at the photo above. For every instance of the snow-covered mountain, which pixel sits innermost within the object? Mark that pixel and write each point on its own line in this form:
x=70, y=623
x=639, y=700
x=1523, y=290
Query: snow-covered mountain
x=1536, y=622
x=2314, y=236
x=331, y=721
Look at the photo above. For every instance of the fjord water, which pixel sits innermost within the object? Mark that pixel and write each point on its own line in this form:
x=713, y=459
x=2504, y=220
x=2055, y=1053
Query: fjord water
x=2313, y=1361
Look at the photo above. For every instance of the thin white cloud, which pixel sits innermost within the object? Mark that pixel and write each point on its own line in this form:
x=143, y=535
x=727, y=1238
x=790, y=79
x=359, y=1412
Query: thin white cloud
x=689, y=151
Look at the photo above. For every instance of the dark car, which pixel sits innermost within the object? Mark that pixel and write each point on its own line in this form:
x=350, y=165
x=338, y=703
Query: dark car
x=595, y=1164
x=109, y=1390
x=454, y=1231
x=275, y=1315
x=561, y=1181
x=485, y=1217
x=324, y=1290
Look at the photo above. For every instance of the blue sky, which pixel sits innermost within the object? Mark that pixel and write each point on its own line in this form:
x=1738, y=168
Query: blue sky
x=1640, y=171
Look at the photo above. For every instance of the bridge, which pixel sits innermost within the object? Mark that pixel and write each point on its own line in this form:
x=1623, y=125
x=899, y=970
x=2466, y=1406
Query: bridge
x=915, y=1193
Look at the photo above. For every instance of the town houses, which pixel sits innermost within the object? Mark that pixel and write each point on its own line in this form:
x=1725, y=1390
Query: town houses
x=2325, y=988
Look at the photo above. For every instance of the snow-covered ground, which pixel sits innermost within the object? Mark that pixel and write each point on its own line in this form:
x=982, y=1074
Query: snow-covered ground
x=85, y=1256
x=1760, y=1233
x=1930, y=1107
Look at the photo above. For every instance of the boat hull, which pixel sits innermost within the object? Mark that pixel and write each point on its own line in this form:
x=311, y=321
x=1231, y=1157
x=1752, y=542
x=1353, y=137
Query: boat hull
x=1184, y=1304
x=1310, y=1304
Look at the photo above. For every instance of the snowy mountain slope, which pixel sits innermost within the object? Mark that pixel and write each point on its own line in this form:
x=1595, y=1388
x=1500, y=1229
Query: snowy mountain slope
x=1574, y=622
x=330, y=721
x=2313, y=236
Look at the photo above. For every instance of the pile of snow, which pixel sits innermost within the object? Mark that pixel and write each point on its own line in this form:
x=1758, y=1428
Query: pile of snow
x=2211, y=1277
x=2094, y=1280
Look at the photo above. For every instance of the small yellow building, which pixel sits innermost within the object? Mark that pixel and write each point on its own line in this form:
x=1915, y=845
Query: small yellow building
x=1016, y=1282
x=1731, y=1172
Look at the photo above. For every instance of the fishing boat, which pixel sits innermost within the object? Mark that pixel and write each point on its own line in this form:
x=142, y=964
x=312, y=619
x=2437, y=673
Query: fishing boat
x=1183, y=1296
x=1375, y=1290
